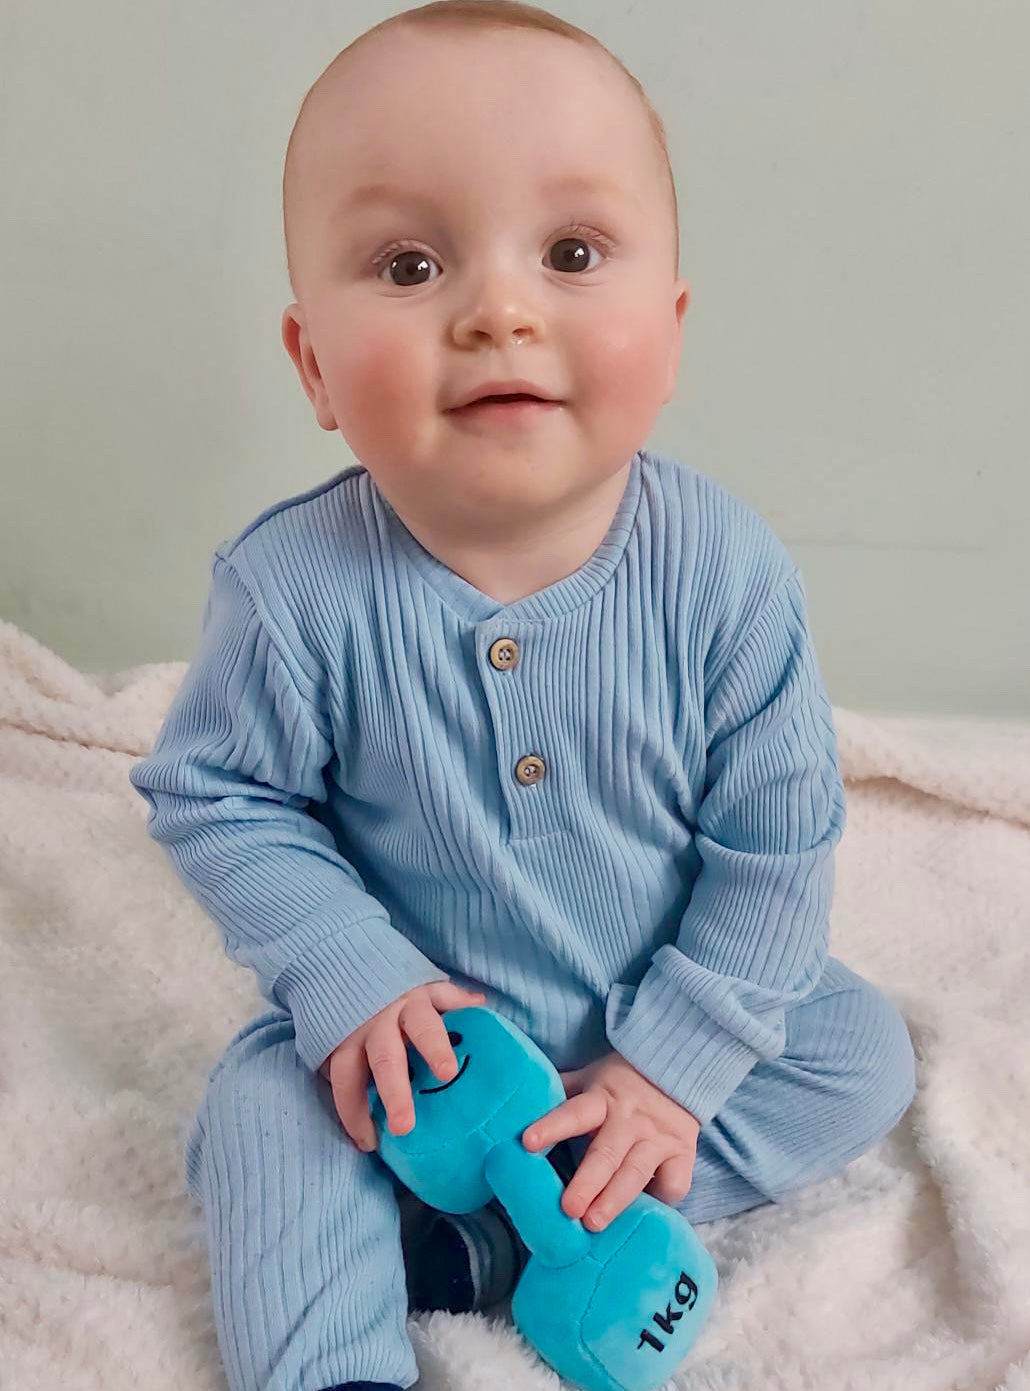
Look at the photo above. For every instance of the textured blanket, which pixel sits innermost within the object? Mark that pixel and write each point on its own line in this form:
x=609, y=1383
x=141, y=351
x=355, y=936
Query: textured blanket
x=908, y=1272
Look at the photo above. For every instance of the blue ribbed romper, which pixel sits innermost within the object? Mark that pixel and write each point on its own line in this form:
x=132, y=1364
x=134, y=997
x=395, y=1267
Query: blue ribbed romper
x=611, y=805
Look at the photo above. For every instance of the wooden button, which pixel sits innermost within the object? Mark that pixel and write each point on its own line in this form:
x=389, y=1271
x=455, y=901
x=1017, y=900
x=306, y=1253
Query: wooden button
x=504, y=654
x=530, y=769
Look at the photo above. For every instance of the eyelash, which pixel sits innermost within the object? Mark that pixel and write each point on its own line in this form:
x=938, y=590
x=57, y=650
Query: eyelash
x=579, y=229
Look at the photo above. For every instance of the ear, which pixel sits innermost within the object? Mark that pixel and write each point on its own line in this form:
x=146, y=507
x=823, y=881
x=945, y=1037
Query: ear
x=681, y=291
x=298, y=345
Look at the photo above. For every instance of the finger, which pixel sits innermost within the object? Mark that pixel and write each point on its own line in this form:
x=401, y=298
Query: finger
x=578, y=1116
x=572, y=1082
x=604, y=1157
x=672, y=1179
x=388, y=1061
x=627, y=1183
x=427, y=1031
x=348, y=1077
x=444, y=994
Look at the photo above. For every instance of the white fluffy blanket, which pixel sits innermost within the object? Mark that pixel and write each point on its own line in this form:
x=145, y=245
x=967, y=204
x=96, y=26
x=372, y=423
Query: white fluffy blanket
x=909, y=1272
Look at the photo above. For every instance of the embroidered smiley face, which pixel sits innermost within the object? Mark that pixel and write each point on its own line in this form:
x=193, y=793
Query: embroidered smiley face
x=454, y=1039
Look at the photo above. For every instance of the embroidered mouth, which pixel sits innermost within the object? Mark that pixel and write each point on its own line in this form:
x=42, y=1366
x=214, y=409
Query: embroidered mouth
x=424, y=1091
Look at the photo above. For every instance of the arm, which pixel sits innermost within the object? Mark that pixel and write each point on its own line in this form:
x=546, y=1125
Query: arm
x=239, y=758
x=754, y=938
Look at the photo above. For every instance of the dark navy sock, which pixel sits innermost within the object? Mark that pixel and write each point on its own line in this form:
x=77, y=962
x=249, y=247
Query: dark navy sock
x=442, y=1278
x=365, y=1386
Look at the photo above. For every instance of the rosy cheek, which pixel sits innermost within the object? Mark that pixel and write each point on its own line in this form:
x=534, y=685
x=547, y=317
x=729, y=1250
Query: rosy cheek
x=627, y=360
x=372, y=377
x=377, y=385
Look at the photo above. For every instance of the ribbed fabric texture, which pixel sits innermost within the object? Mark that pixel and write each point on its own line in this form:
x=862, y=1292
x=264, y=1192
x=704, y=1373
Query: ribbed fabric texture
x=314, y=1250
x=336, y=780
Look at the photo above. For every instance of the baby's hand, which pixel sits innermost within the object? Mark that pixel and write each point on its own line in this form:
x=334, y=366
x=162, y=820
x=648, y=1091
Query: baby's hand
x=378, y=1047
x=641, y=1132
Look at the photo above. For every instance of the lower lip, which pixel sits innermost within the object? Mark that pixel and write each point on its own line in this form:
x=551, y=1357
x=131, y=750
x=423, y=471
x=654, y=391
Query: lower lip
x=506, y=412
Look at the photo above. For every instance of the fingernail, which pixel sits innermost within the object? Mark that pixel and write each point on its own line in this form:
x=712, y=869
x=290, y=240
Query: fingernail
x=531, y=1137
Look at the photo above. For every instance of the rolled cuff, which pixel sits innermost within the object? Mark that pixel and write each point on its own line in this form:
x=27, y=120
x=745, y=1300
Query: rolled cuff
x=684, y=1049
x=343, y=980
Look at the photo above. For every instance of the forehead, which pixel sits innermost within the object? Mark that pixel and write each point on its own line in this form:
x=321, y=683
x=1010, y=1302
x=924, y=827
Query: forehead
x=433, y=114
x=354, y=200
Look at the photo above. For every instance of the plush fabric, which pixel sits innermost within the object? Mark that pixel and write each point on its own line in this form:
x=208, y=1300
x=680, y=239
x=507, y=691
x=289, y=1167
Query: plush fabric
x=616, y=1310
x=909, y=1270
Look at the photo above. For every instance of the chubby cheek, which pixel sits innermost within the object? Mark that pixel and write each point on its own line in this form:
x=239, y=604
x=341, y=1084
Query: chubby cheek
x=380, y=385
x=624, y=365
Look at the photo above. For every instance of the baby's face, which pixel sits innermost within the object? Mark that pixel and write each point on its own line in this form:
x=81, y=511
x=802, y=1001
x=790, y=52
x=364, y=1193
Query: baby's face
x=524, y=234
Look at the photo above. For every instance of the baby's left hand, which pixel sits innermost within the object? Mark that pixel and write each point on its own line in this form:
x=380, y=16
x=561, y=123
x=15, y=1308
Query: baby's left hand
x=643, y=1135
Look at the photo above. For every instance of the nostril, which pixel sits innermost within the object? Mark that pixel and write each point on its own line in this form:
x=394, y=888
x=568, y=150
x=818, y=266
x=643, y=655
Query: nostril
x=454, y=1038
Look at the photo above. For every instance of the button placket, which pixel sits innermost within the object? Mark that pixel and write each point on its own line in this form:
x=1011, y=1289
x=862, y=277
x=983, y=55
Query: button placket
x=511, y=699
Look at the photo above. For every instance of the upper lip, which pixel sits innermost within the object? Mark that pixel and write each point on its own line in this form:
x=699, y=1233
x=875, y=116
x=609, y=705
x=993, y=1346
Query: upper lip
x=511, y=388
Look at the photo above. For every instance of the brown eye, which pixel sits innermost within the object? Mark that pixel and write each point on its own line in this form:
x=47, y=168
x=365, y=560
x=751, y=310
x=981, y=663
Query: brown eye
x=412, y=267
x=571, y=253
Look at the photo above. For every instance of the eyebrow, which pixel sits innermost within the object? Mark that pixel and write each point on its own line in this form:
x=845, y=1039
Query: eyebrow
x=366, y=195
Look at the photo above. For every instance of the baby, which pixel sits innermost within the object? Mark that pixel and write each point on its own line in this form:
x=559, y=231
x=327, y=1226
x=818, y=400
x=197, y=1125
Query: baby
x=513, y=712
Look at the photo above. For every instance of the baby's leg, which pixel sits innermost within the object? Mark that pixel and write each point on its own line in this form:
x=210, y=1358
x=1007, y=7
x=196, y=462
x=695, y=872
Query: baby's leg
x=845, y=1078
x=303, y=1230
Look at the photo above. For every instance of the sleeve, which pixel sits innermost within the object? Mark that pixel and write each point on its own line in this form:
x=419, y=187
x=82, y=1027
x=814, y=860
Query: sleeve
x=238, y=760
x=754, y=938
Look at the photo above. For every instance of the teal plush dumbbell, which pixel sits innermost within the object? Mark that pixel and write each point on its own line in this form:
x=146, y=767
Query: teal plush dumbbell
x=615, y=1310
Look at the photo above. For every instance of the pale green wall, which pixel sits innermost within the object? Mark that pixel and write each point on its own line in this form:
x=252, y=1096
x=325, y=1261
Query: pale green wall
x=853, y=181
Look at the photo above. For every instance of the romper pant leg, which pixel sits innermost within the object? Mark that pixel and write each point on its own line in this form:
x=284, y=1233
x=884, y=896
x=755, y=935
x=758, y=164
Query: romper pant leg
x=845, y=1078
x=303, y=1230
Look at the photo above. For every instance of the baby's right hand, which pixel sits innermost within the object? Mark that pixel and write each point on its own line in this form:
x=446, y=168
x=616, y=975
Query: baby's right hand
x=378, y=1047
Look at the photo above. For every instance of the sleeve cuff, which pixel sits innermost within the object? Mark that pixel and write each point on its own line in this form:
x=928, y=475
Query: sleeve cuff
x=698, y=1055
x=343, y=980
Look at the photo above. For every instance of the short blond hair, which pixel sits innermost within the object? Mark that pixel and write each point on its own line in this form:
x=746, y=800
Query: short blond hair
x=482, y=14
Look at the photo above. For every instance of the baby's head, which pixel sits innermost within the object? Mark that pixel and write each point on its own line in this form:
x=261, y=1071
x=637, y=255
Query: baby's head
x=523, y=226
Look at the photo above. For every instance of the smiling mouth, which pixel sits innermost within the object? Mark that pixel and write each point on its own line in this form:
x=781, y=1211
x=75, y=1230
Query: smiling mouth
x=504, y=402
x=424, y=1091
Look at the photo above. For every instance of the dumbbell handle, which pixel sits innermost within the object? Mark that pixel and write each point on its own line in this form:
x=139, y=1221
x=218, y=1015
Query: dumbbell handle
x=548, y=1231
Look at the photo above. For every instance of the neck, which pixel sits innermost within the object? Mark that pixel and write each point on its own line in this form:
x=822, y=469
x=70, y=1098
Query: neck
x=508, y=564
